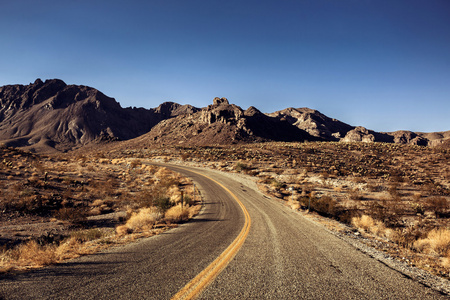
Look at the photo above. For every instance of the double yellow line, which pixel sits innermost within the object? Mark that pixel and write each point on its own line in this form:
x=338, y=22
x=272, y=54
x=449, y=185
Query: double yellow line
x=199, y=283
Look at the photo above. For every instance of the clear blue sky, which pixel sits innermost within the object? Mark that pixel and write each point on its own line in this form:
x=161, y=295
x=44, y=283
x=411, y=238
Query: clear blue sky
x=382, y=64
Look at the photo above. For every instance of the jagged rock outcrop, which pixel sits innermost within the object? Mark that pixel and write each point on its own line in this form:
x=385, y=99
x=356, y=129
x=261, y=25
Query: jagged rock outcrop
x=223, y=123
x=319, y=125
x=359, y=134
x=408, y=137
x=220, y=101
x=314, y=122
x=170, y=109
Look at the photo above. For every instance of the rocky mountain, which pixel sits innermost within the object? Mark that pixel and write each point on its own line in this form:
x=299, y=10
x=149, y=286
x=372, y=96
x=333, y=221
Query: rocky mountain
x=49, y=115
x=314, y=122
x=44, y=116
x=319, y=125
x=222, y=123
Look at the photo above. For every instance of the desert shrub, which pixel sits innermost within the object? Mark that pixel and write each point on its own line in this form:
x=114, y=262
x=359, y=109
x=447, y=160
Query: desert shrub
x=73, y=214
x=145, y=198
x=277, y=185
x=418, y=208
x=87, y=235
x=406, y=237
x=71, y=248
x=265, y=179
x=187, y=200
x=437, y=241
x=375, y=188
x=240, y=167
x=364, y=222
x=381, y=210
x=35, y=254
x=356, y=194
x=294, y=205
x=177, y=213
x=345, y=215
x=145, y=218
x=32, y=204
x=163, y=203
x=325, y=205
x=135, y=163
x=368, y=224
x=303, y=201
x=167, y=182
x=438, y=205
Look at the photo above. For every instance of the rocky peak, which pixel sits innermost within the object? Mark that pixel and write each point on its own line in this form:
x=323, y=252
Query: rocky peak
x=166, y=109
x=313, y=122
x=221, y=111
x=359, y=134
x=251, y=111
x=220, y=101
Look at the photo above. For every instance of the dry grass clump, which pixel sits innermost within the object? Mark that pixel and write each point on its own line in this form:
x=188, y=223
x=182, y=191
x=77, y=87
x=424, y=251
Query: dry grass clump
x=294, y=204
x=178, y=213
x=437, y=242
x=70, y=248
x=87, y=235
x=34, y=255
x=366, y=223
x=145, y=218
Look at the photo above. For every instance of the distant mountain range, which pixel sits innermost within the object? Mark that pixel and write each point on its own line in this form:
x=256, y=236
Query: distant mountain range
x=50, y=115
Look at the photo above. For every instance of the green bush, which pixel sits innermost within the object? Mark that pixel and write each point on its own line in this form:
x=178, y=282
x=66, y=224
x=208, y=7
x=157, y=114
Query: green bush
x=163, y=203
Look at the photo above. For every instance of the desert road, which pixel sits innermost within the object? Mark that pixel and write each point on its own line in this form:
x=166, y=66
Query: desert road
x=284, y=256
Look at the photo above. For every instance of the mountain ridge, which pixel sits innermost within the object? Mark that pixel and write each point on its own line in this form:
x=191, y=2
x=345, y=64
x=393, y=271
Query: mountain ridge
x=51, y=115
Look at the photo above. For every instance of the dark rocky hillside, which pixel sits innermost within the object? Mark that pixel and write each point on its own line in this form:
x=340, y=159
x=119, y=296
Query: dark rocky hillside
x=52, y=115
x=314, y=122
x=223, y=123
x=319, y=125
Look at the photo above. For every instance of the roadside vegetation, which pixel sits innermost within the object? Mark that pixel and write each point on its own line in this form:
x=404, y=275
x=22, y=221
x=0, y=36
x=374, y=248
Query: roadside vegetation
x=55, y=208
x=394, y=197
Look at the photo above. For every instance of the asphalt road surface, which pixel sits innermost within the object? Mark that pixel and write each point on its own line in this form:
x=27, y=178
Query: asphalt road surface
x=284, y=256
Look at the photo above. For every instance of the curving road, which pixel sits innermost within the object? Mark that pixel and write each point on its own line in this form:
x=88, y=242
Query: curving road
x=284, y=257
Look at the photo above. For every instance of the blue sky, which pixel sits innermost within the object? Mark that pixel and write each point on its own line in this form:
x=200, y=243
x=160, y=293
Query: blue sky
x=382, y=64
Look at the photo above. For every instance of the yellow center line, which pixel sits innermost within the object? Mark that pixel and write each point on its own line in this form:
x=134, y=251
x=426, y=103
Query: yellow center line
x=205, y=277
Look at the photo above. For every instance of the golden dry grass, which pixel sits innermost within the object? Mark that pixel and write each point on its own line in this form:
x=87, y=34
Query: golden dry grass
x=33, y=255
x=367, y=224
x=437, y=241
x=177, y=213
x=69, y=189
x=144, y=219
x=293, y=204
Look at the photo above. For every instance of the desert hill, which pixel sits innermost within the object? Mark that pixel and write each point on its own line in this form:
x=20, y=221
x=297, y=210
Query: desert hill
x=314, y=122
x=44, y=116
x=222, y=123
x=52, y=115
x=319, y=125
